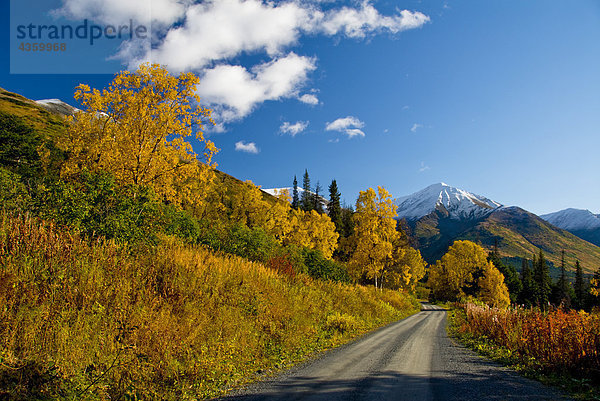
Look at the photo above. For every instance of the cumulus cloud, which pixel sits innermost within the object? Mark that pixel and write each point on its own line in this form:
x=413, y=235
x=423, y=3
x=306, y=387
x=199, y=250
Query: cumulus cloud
x=234, y=91
x=218, y=30
x=203, y=37
x=163, y=12
x=348, y=125
x=309, y=98
x=358, y=23
x=249, y=147
x=293, y=129
x=415, y=127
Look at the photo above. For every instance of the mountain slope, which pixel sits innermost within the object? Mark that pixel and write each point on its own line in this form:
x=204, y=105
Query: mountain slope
x=440, y=214
x=579, y=222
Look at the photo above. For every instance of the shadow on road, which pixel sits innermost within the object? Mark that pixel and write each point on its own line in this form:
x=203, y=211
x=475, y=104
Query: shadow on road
x=395, y=386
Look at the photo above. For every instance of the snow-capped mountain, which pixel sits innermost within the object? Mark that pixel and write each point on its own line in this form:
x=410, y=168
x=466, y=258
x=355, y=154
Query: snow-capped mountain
x=453, y=202
x=573, y=219
x=290, y=191
x=57, y=106
x=581, y=223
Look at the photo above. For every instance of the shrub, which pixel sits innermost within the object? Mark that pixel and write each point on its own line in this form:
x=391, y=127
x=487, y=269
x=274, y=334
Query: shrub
x=319, y=267
x=342, y=323
x=13, y=194
x=86, y=319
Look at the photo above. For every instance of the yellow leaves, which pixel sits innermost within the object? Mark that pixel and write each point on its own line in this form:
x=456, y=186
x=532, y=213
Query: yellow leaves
x=492, y=289
x=314, y=231
x=137, y=129
x=450, y=275
x=595, y=287
x=374, y=232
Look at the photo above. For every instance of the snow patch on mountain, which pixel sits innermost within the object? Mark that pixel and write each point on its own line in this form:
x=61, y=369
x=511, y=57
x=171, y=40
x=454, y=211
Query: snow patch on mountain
x=57, y=106
x=573, y=219
x=458, y=203
x=290, y=191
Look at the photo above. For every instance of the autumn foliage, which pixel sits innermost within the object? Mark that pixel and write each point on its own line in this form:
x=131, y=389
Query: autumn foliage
x=137, y=130
x=556, y=340
x=81, y=320
x=465, y=271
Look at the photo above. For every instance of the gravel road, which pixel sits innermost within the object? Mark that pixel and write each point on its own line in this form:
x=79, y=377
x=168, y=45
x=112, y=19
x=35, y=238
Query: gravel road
x=412, y=359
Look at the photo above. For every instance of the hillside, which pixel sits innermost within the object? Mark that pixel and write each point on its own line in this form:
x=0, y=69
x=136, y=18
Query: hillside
x=31, y=113
x=441, y=214
x=579, y=222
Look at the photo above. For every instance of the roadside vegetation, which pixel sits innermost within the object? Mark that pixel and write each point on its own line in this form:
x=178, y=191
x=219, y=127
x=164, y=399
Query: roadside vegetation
x=130, y=268
x=91, y=320
x=558, y=347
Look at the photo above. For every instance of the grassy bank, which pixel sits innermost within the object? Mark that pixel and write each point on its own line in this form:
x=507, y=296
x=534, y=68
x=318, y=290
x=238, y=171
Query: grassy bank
x=557, y=348
x=82, y=320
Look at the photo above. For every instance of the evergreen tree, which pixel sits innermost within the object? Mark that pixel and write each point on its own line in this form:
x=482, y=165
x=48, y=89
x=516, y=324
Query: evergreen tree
x=347, y=224
x=317, y=202
x=579, y=287
x=511, y=278
x=541, y=275
x=527, y=295
x=306, y=201
x=562, y=292
x=295, y=199
x=334, y=208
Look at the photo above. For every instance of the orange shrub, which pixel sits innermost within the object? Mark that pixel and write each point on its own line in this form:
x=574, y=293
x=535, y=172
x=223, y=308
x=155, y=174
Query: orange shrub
x=557, y=339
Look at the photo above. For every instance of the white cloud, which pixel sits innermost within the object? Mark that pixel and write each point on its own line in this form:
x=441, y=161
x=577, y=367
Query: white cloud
x=222, y=29
x=348, y=125
x=163, y=12
x=343, y=123
x=358, y=23
x=249, y=147
x=309, y=98
x=203, y=37
x=234, y=91
x=423, y=167
x=336, y=140
x=293, y=129
x=354, y=132
x=415, y=127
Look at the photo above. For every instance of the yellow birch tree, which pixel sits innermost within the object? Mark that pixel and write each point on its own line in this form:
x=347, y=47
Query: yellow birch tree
x=374, y=233
x=137, y=129
x=492, y=289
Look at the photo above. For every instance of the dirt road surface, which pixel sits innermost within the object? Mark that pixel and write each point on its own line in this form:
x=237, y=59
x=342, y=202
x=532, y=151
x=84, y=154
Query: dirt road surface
x=412, y=359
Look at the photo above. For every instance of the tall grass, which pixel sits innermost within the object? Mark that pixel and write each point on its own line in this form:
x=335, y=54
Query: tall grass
x=557, y=340
x=81, y=320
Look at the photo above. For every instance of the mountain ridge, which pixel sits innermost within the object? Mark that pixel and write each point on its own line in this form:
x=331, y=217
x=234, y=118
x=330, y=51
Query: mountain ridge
x=440, y=214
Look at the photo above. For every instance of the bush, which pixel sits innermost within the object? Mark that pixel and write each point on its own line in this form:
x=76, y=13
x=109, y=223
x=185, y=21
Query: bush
x=319, y=267
x=97, y=207
x=13, y=194
x=91, y=320
x=342, y=323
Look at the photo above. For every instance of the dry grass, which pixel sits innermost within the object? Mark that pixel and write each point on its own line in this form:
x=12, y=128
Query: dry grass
x=83, y=320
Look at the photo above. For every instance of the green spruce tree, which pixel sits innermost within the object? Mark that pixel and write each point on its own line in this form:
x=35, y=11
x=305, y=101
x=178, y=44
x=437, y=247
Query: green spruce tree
x=528, y=291
x=306, y=201
x=295, y=198
x=541, y=275
x=334, y=208
x=562, y=293
x=317, y=201
x=511, y=278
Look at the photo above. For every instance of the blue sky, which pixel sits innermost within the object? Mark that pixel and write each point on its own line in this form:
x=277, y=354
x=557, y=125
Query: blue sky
x=498, y=98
